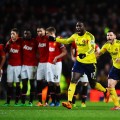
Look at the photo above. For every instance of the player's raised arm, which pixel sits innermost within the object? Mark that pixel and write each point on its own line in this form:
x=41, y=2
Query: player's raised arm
x=65, y=40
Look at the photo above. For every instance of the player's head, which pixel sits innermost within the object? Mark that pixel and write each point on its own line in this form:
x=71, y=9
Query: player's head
x=41, y=31
x=27, y=35
x=80, y=26
x=111, y=36
x=14, y=34
x=51, y=31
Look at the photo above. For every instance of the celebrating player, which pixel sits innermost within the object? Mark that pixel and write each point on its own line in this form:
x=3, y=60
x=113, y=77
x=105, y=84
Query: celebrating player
x=85, y=61
x=113, y=47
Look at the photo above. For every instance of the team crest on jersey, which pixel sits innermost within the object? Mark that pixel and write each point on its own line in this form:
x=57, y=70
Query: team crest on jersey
x=54, y=44
x=116, y=49
x=83, y=41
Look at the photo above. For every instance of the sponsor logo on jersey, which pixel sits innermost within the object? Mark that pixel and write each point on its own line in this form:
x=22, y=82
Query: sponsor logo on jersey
x=27, y=47
x=14, y=50
x=42, y=45
x=51, y=49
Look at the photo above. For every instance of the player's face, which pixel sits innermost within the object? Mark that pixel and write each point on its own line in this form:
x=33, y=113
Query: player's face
x=14, y=35
x=40, y=32
x=27, y=34
x=110, y=37
x=48, y=33
x=80, y=28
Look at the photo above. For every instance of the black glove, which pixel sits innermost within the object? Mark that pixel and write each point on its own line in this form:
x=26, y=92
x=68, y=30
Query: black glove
x=81, y=56
x=51, y=38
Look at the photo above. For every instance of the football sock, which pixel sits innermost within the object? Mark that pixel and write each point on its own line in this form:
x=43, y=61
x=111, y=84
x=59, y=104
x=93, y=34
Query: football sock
x=114, y=96
x=17, y=94
x=84, y=94
x=58, y=93
x=39, y=90
x=71, y=91
x=32, y=91
x=9, y=94
x=24, y=90
x=52, y=93
x=99, y=87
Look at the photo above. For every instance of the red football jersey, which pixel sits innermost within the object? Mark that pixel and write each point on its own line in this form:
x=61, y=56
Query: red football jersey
x=54, y=50
x=43, y=48
x=14, y=49
x=29, y=52
x=2, y=53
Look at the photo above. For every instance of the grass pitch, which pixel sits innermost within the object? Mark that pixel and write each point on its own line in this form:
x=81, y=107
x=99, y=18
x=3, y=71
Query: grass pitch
x=93, y=111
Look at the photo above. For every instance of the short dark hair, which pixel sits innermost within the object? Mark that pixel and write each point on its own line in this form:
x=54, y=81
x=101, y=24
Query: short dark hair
x=15, y=30
x=51, y=29
x=39, y=27
x=111, y=31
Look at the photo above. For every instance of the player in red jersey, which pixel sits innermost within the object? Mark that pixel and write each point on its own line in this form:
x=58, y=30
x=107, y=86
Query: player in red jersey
x=14, y=50
x=56, y=52
x=29, y=66
x=2, y=61
x=43, y=53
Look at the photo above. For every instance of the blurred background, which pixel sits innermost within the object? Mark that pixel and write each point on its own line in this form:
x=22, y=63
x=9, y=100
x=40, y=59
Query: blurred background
x=100, y=16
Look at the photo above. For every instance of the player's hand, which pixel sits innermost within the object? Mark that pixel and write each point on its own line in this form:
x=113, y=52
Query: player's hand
x=81, y=56
x=55, y=60
x=51, y=38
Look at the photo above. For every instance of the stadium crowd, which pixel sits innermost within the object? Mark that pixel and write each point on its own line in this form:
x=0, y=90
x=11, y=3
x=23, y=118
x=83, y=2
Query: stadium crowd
x=100, y=16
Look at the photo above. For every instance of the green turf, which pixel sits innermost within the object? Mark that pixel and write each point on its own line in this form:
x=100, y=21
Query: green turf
x=93, y=111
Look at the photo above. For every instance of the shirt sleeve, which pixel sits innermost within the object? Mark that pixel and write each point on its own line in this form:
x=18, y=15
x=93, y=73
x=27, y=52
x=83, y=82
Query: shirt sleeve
x=104, y=48
x=65, y=41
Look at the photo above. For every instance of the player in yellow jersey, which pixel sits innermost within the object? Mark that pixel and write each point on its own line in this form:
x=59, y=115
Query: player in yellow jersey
x=85, y=61
x=113, y=47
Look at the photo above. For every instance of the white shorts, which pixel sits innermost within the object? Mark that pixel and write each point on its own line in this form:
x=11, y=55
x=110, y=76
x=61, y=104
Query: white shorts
x=42, y=71
x=54, y=72
x=84, y=78
x=13, y=73
x=28, y=72
x=1, y=75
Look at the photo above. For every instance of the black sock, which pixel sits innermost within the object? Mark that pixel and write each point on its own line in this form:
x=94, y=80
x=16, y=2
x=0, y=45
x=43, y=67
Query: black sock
x=17, y=94
x=57, y=93
x=23, y=98
x=52, y=93
x=84, y=94
x=32, y=91
x=9, y=94
x=24, y=90
x=39, y=90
